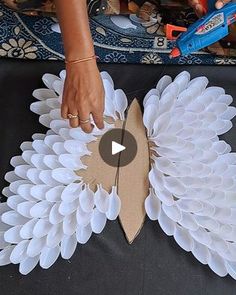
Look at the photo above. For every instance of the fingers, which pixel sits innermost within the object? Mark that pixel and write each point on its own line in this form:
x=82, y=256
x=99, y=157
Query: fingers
x=219, y=4
x=73, y=112
x=77, y=108
x=69, y=109
x=84, y=121
x=98, y=120
x=86, y=127
x=197, y=7
x=74, y=122
x=64, y=111
x=199, y=10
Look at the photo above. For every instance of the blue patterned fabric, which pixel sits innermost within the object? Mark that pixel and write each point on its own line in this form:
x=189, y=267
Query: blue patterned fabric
x=31, y=37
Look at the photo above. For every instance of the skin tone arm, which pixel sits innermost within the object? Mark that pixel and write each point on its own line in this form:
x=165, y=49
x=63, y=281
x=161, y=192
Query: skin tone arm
x=83, y=90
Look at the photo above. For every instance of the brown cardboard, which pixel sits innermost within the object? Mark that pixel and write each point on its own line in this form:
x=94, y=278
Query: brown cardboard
x=133, y=178
x=98, y=171
x=132, y=183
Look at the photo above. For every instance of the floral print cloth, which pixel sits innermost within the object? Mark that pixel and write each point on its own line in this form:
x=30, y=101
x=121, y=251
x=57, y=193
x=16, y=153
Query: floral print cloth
x=147, y=43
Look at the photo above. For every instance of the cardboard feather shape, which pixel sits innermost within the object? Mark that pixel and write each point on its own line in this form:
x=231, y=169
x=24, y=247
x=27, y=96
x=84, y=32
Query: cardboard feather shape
x=133, y=182
x=183, y=176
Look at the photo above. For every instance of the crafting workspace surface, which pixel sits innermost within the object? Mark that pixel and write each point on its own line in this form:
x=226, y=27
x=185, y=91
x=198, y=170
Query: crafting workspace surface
x=154, y=264
x=117, y=38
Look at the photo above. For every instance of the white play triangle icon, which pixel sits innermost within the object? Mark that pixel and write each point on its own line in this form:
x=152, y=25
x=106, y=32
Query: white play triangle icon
x=117, y=148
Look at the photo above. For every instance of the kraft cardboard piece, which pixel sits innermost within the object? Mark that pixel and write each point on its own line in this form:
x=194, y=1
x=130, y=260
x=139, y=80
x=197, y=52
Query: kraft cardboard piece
x=133, y=178
x=132, y=182
x=97, y=170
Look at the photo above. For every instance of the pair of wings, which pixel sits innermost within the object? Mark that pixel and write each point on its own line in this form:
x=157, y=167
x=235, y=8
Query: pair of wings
x=192, y=194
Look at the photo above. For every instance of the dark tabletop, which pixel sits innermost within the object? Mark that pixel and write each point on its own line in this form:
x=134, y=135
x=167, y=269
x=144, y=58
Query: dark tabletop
x=107, y=265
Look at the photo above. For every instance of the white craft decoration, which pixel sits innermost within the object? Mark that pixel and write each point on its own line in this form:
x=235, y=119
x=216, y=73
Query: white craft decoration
x=192, y=194
x=49, y=208
x=193, y=175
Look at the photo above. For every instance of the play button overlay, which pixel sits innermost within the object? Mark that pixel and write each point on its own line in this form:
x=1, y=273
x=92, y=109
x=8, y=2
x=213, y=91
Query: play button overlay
x=118, y=147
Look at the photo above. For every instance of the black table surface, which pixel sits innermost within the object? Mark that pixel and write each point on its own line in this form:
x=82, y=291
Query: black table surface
x=107, y=265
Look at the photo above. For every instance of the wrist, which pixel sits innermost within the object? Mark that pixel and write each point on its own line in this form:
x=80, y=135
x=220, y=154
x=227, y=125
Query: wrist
x=84, y=66
x=79, y=55
x=81, y=51
x=79, y=60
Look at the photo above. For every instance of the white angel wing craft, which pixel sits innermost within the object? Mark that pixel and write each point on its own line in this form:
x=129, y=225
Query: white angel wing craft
x=50, y=209
x=193, y=175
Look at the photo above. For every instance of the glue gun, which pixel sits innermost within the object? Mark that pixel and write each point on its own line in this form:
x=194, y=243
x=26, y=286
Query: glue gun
x=209, y=29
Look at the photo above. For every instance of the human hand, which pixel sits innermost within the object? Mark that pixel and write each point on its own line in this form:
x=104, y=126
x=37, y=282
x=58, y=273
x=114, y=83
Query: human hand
x=199, y=9
x=83, y=95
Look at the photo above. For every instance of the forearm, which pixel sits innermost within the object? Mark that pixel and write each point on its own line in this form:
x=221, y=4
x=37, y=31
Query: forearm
x=74, y=24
